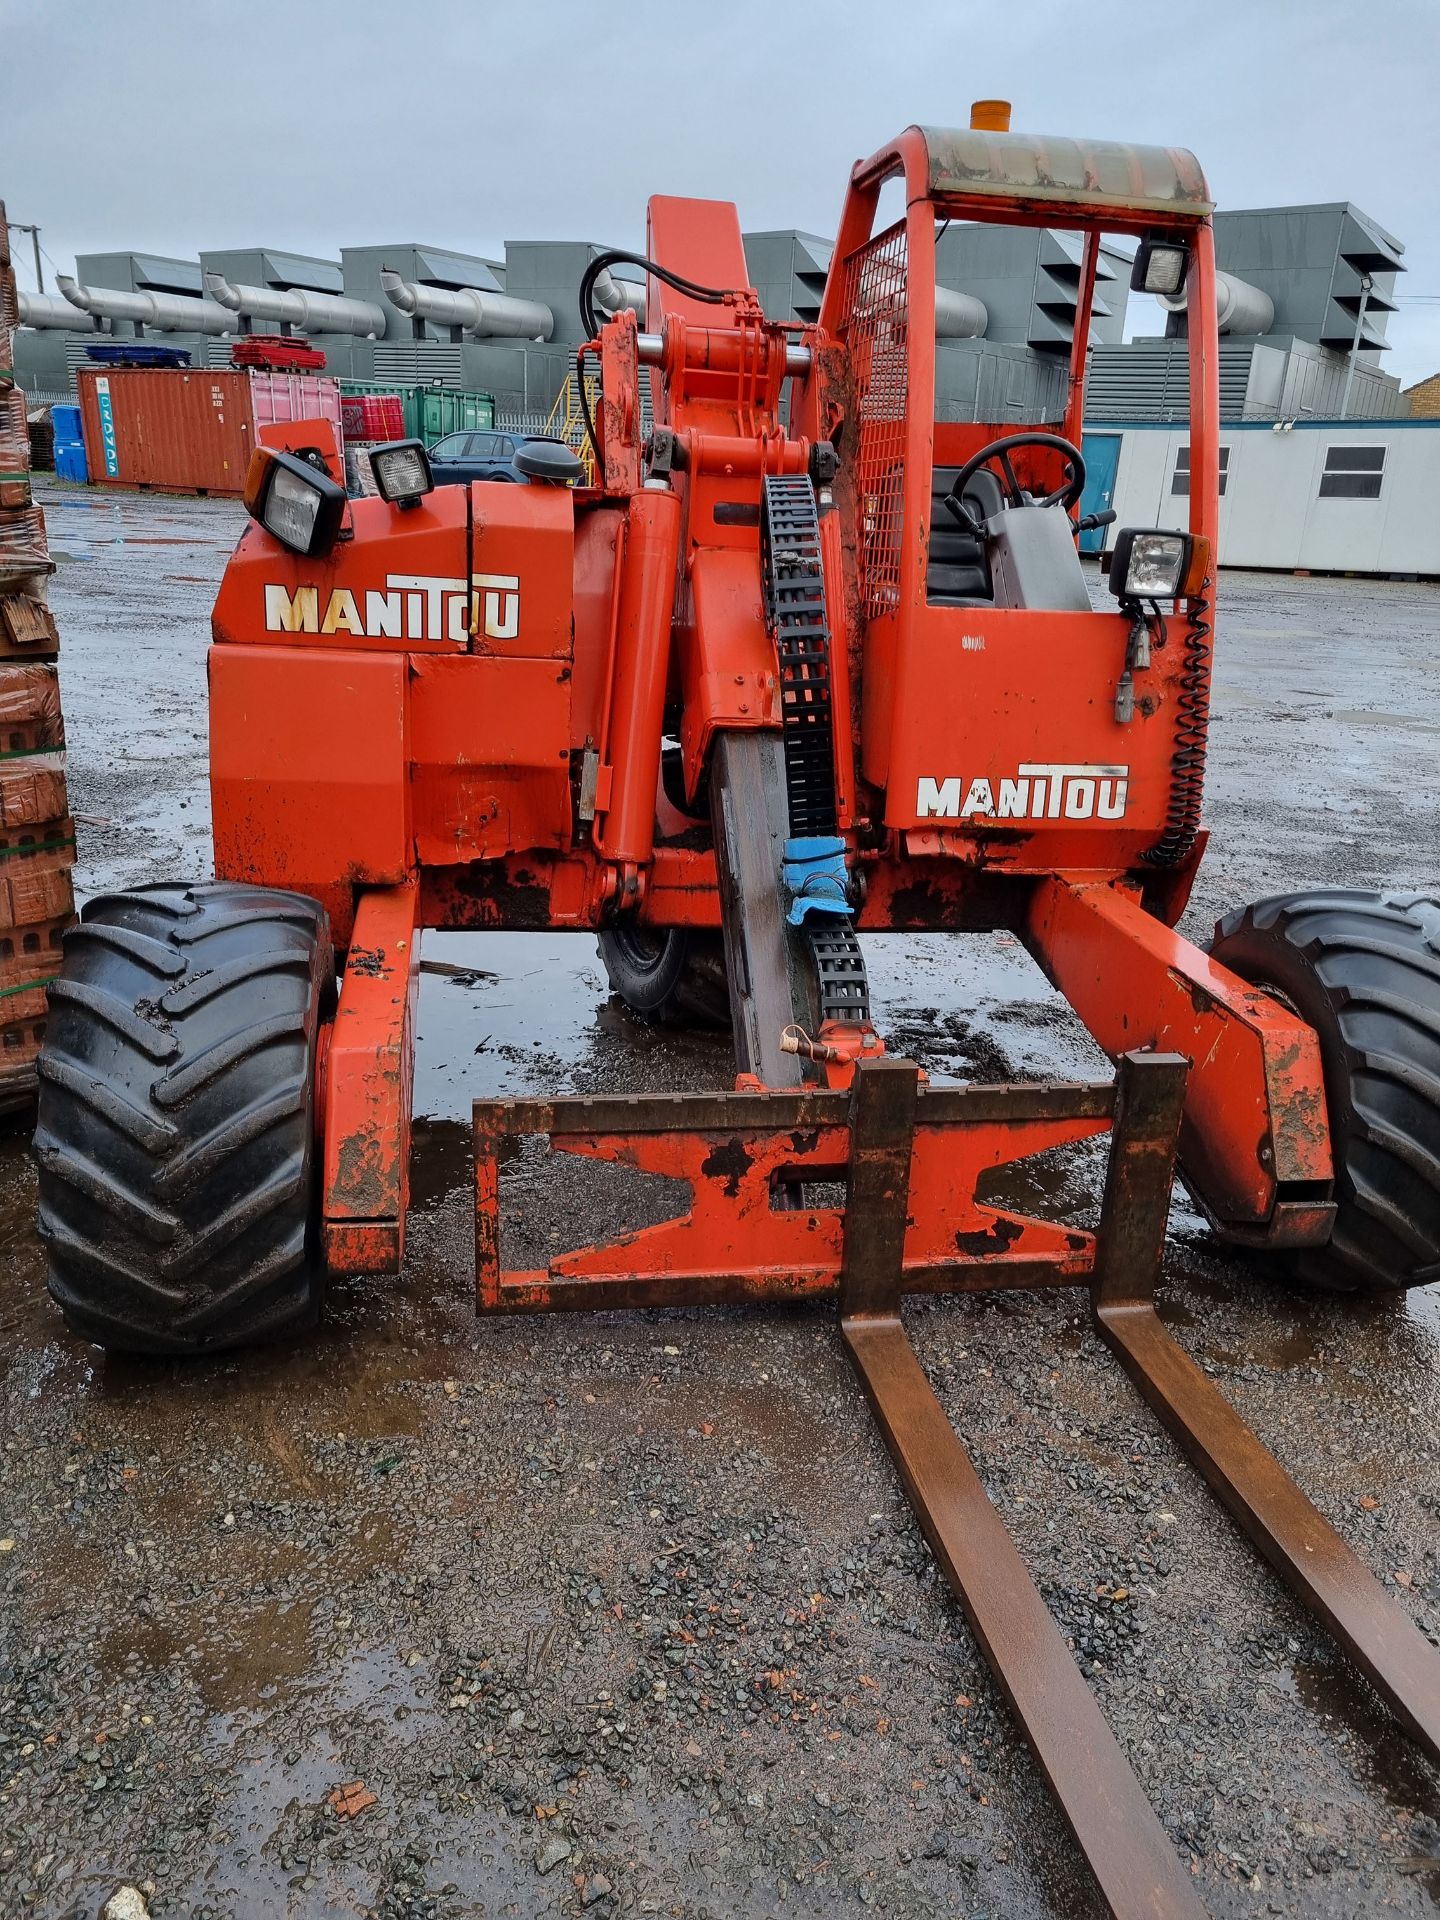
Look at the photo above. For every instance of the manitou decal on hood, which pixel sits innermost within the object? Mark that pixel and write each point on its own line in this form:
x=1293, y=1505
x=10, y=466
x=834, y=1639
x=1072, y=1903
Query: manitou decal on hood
x=1040, y=790
x=412, y=606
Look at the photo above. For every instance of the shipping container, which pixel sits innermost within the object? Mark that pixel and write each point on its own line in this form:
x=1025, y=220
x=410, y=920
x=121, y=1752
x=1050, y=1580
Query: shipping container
x=190, y=431
x=442, y=411
x=432, y=412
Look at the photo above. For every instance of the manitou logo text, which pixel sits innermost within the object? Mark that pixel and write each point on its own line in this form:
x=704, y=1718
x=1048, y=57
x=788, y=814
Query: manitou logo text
x=1041, y=791
x=413, y=606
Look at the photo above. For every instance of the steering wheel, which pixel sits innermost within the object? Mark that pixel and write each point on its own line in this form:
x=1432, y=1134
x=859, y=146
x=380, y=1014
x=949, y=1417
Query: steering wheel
x=1065, y=495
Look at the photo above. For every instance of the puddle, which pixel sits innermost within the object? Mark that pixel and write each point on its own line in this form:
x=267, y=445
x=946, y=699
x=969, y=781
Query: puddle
x=356, y=1432
x=153, y=540
x=1334, y=1694
x=238, y=1656
x=1300, y=1347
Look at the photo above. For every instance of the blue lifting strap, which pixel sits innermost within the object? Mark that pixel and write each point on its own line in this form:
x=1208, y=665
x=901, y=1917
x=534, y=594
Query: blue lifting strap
x=814, y=874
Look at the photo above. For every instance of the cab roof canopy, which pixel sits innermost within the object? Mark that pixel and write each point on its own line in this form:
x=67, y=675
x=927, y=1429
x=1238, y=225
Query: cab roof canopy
x=966, y=164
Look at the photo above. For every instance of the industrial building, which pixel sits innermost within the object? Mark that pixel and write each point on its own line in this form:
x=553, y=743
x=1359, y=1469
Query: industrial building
x=1305, y=296
x=404, y=312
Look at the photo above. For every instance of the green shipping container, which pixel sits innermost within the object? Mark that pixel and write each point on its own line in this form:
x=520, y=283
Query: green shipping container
x=442, y=410
x=432, y=412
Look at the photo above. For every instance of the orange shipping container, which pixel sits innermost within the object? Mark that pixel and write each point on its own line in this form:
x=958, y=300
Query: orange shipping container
x=189, y=430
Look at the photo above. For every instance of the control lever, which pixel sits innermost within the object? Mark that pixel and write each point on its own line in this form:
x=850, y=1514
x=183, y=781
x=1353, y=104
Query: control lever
x=1088, y=522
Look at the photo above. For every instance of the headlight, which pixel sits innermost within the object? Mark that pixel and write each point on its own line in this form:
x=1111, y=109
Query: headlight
x=297, y=503
x=1151, y=566
x=402, y=471
x=1159, y=267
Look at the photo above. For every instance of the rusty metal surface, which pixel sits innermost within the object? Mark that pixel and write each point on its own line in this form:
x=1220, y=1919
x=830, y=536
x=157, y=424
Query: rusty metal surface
x=369, y=1082
x=1294, y=1537
x=1136, y=1868
x=734, y=1244
x=1255, y=1122
x=882, y=1136
x=1040, y=167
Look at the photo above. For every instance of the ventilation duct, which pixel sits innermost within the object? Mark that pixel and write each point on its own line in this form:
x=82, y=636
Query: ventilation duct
x=49, y=310
x=1240, y=309
x=959, y=316
x=310, y=312
x=484, y=316
x=167, y=312
x=616, y=296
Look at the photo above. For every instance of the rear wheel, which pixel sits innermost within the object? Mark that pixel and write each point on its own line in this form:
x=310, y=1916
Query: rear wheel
x=176, y=1137
x=675, y=975
x=1364, y=970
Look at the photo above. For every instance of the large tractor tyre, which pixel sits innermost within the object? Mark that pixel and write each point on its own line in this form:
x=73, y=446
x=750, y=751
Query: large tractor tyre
x=176, y=1138
x=1364, y=970
x=675, y=976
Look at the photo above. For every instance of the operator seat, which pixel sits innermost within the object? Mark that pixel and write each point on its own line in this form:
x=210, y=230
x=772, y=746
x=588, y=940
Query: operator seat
x=958, y=570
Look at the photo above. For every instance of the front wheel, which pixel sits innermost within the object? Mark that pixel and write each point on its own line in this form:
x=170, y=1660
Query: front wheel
x=176, y=1138
x=1364, y=970
x=675, y=975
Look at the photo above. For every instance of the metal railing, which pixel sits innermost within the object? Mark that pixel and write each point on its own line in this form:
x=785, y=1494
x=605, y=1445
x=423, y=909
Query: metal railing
x=567, y=420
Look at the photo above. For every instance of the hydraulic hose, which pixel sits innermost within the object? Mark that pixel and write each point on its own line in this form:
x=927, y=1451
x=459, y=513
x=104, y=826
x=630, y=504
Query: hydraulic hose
x=615, y=257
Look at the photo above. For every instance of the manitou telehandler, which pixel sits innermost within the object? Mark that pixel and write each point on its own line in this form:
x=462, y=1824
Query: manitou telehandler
x=804, y=661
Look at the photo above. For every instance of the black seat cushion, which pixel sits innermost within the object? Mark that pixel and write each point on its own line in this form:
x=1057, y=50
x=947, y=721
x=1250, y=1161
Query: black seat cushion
x=958, y=573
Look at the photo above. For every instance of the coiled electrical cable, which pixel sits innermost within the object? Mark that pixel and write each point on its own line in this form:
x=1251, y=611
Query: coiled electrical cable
x=1192, y=729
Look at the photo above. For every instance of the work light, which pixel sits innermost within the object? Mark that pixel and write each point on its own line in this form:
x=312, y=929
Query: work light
x=1149, y=566
x=1159, y=267
x=402, y=471
x=296, y=502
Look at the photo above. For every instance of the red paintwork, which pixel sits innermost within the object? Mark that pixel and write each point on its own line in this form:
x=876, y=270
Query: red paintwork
x=370, y=1074
x=732, y=1244
x=1255, y=1073
x=496, y=744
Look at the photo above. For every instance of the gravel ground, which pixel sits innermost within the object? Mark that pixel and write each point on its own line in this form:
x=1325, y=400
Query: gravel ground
x=627, y=1615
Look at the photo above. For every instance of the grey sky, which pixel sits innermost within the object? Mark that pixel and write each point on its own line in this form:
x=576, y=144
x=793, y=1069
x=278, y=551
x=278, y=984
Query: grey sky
x=313, y=124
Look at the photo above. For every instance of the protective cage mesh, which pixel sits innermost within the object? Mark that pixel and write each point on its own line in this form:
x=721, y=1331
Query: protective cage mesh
x=876, y=329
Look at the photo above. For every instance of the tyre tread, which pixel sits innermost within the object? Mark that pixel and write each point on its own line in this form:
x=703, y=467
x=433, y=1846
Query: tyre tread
x=176, y=1161
x=1364, y=968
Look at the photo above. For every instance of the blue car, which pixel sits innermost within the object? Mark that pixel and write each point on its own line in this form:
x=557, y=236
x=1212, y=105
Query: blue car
x=475, y=455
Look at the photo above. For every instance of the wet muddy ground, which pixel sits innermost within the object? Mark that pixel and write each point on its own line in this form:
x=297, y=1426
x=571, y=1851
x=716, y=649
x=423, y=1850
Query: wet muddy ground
x=626, y=1615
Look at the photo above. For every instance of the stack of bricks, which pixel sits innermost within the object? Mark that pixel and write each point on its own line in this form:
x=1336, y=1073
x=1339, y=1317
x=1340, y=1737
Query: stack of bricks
x=37, y=835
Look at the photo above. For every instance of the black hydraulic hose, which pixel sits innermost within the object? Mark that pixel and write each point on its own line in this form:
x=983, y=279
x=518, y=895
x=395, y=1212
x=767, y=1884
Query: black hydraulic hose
x=585, y=413
x=616, y=256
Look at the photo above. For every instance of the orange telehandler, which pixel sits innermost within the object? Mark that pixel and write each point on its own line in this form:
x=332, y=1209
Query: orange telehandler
x=803, y=661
